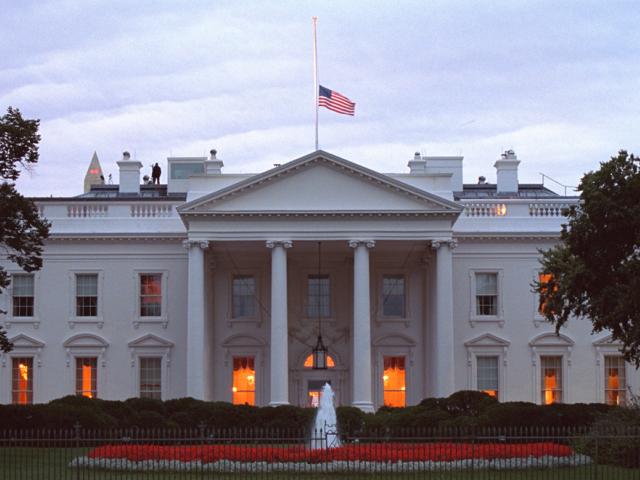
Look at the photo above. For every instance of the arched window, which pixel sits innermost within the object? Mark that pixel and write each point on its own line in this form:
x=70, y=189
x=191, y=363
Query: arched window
x=308, y=363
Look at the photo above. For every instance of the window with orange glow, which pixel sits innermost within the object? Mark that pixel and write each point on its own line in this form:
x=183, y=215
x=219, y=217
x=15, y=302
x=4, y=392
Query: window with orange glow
x=551, y=378
x=487, y=374
x=87, y=377
x=308, y=363
x=542, y=304
x=615, y=380
x=22, y=381
x=394, y=382
x=151, y=295
x=244, y=381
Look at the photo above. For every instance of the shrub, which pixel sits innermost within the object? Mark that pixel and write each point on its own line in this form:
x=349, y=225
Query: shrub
x=351, y=420
x=469, y=403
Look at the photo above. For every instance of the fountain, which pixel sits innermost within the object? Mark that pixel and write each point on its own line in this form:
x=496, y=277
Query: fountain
x=325, y=429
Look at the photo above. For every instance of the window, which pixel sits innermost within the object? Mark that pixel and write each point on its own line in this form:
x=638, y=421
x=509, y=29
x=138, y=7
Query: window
x=151, y=377
x=308, y=363
x=551, y=377
x=487, y=294
x=151, y=295
x=244, y=381
x=182, y=171
x=87, y=377
x=488, y=375
x=393, y=380
x=22, y=381
x=318, y=296
x=22, y=295
x=393, y=302
x=86, y=295
x=615, y=380
x=244, y=296
x=543, y=278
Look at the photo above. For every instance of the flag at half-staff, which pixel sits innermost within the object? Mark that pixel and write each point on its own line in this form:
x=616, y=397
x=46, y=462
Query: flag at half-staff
x=335, y=101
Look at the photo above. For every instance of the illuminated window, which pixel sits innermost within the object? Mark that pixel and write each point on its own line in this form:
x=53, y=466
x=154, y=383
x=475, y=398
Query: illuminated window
x=393, y=301
x=87, y=377
x=543, y=278
x=22, y=381
x=151, y=377
x=86, y=295
x=151, y=295
x=318, y=296
x=308, y=363
x=488, y=375
x=244, y=296
x=551, y=379
x=393, y=381
x=615, y=380
x=22, y=295
x=314, y=389
x=244, y=381
x=486, y=294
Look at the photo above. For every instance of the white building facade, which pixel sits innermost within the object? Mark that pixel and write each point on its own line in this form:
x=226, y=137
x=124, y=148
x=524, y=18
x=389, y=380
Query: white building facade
x=217, y=285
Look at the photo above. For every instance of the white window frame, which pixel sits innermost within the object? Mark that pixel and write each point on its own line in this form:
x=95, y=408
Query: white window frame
x=551, y=345
x=474, y=318
x=258, y=275
x=86, y=345
x=538, y=319
x=606, y=347
x=304, y=298
x=139, y=367
x=8, y=304
x=395, y=345
x=151, y=345
x=245, y=345
x=163, y=319
x=23, y=346
x=74, y=320
x=379, y=296
x=487, y=345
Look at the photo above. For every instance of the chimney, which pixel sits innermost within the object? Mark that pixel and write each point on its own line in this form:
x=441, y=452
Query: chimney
x=213, y=166
x=129, y=174
x=417, y=165
x=452, y=165
x=507, y=172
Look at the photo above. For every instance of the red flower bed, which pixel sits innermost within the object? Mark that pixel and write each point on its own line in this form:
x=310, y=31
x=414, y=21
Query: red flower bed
x=382, y=452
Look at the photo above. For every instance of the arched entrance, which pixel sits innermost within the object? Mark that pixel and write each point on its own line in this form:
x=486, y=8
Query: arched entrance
x=308, y=382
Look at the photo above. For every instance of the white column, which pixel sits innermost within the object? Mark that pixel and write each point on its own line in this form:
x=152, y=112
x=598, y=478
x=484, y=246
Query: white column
x=196, y=319
x=279, y=363
x=361, y=365
x=443, y=356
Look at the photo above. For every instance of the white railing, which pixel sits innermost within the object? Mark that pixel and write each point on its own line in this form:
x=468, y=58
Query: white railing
x=548, y=209
x=87, y=210
x=485, y=209
x=151, y=210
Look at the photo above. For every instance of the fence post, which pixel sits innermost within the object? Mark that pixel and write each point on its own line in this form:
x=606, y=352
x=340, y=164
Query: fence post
x=595, y=472
x=76, y=428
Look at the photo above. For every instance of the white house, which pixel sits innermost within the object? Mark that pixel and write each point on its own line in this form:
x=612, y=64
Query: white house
x=217, y=285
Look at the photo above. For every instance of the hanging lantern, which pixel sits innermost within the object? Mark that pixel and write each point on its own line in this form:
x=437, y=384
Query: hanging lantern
x=320, y=354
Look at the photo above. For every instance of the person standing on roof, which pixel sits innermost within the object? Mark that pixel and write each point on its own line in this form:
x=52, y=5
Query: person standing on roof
x=156, y=171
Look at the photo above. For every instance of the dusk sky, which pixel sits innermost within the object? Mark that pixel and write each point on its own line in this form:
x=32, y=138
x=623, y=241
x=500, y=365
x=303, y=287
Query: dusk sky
x=557, y=81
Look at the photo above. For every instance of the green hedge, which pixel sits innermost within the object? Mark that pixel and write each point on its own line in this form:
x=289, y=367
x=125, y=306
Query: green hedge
x=462, y=409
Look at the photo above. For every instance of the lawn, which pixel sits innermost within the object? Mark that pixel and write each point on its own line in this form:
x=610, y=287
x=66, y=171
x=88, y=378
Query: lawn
x=52, y=463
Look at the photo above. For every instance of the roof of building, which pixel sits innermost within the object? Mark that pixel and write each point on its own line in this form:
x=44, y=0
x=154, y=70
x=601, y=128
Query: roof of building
x=489, y=190
x=147, y=192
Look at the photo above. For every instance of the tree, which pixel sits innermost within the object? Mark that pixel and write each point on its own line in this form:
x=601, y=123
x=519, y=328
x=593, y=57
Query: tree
x=594, y=272
x=22, y=231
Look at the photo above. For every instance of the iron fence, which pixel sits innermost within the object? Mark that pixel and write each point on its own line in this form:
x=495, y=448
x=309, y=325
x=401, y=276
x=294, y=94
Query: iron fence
x=203, y=452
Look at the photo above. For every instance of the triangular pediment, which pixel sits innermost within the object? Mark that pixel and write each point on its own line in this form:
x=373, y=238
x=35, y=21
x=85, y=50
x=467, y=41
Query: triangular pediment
x=320, y=183
x=607, y=341
x=150, y=341
x=25, y=341
x=487, y=340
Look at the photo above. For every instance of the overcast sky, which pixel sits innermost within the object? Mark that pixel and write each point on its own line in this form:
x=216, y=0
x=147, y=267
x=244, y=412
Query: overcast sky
x=557, y=81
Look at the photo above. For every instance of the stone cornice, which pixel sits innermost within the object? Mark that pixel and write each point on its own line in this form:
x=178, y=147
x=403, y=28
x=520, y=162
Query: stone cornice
x=523, y=236
x=289, y=213
x=115, y=237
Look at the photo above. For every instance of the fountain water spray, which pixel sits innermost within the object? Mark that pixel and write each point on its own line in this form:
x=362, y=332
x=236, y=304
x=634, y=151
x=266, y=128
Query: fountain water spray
x=325, y=429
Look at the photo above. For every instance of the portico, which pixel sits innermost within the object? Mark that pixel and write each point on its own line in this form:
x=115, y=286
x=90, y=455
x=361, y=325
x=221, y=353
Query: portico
x=266, y=230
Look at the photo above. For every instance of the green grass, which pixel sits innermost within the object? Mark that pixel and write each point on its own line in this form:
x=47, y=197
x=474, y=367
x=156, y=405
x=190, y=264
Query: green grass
x=51, y=463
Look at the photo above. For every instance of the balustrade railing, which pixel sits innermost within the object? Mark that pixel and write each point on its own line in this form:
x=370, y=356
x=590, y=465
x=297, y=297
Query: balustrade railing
x=151, y=210
x=87, y=210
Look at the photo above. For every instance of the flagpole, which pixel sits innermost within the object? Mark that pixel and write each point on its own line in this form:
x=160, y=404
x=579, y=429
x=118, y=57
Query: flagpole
x=315, y=74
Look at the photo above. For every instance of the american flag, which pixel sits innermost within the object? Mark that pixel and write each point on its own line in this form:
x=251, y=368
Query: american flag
x=336, y=102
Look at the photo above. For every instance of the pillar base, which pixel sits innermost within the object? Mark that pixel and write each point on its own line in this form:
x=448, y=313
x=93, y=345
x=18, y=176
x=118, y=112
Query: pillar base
x=366, y=407
x=278, y=404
